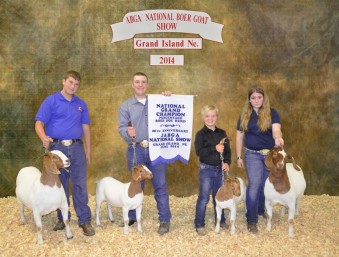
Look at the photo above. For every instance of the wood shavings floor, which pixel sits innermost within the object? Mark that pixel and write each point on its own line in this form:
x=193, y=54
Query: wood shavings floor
x=316, y=233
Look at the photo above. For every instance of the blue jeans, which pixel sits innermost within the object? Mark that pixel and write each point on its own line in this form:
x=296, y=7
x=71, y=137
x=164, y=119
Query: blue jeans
x=140, y=155
x=78, y=177
x=257, y=174
x=210, y=178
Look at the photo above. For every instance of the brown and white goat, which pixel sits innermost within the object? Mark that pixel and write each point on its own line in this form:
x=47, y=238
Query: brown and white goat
x=229, y=196
x=43, y=192
x=285, y=185
x=129, y=196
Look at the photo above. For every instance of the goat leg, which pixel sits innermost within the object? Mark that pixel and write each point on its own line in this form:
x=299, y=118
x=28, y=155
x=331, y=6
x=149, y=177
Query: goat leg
x=269, y=211
x=138, y=216
x=109, y=211
x=126, y=220
x=97, y=212
x=38, y=223
x=291, y=213
x=233, y=214
x=217, y=225
x=22, y=213
x=64, y=211
x=297, y=205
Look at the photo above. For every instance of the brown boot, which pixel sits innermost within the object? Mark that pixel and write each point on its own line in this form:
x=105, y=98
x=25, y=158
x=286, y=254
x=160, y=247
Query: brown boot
x=87, y=229
x=201, y=231
x=163, y=228
x=59, y=226
x=252, y=228
x=224, y=226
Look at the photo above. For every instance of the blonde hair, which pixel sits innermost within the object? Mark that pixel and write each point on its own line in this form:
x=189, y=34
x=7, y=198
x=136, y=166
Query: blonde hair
x=264, y=112
x=208, y=108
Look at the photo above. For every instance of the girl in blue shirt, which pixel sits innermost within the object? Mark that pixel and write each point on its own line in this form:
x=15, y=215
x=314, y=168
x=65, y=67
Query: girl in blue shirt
x=259, y=130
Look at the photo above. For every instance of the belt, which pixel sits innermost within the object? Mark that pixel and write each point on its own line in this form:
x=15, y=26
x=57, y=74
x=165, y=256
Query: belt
x=66, y=142
x=202, y=164
x=143, y=143
x=262, y=151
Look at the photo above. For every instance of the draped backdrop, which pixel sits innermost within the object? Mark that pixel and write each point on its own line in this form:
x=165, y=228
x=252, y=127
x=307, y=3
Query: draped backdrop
x=289, y=47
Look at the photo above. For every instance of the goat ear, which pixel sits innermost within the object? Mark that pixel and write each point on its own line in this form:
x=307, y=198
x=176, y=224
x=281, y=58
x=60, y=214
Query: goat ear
x=295, y=166
x=49, y=165
x=269, y=160
x=136, y=173
x=236, y=185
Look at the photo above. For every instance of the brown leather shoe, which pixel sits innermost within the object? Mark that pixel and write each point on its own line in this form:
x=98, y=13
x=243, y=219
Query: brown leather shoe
x=201, y=231
x=130, y=223
x=224, y=226
x=252, y=228
x=87, y=229
x=264, y=215
x=59, y=226
x=163, y=228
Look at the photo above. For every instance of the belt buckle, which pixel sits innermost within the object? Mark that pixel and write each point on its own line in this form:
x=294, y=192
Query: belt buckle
x=66, y=142
x=264, y=151
x=144, y=143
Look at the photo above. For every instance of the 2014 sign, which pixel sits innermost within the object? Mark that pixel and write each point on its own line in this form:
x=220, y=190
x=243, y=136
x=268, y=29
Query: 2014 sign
x=167, y=60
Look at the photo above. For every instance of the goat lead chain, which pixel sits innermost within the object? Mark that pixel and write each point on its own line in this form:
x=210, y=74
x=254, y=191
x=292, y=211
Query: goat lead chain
x=222, y=164
x=222, y=141
x=135, y=161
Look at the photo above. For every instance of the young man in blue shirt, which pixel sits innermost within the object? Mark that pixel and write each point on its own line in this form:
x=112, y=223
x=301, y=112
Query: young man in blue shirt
x=61, y=123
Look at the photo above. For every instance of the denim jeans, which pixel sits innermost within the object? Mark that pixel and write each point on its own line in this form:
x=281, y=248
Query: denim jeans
x=140, y=155
x=78, y=177
x=257, y=174
x=210, y=179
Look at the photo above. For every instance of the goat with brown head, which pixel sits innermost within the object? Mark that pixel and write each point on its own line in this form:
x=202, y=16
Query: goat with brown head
x=230, y=188
x=129, y=195
x=277, y=158
x=51, y=165
x=31, y=182
x=139, y=173
x=228, y=196
x=285, y=185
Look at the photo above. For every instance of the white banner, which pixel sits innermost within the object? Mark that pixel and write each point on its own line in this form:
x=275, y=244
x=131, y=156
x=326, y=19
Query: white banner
x=151, y=21
x=170, y=120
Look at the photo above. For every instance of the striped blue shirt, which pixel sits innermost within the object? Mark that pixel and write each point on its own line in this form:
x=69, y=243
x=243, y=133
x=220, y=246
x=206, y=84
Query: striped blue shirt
x=137, y=113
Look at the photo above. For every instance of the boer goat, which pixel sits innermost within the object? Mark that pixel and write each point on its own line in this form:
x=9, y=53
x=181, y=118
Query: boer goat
x=43, y=192
x=229, y=196
x=285, y=185
x=129, y=195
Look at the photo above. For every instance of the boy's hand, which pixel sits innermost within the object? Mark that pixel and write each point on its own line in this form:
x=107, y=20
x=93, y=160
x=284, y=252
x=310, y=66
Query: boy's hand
x=167, y=93
x=219, y=148
x=225, y=167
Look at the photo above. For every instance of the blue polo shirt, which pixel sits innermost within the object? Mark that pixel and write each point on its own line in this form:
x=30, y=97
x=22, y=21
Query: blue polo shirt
x=254, y=138
x=63, y=119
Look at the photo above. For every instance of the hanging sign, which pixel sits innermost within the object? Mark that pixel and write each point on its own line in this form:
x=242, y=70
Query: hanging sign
x=170, y=120
x=152, y=21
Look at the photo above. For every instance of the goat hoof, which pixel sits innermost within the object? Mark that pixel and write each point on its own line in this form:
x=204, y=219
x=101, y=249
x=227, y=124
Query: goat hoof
x=69, y=238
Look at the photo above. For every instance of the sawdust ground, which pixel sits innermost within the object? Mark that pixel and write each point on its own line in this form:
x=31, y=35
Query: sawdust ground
x=316, y=233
